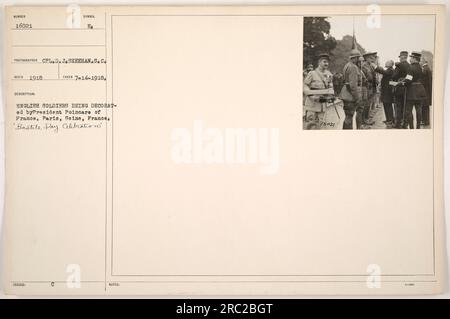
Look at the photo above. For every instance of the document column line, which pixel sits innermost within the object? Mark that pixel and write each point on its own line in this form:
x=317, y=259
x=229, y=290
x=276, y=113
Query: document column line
x=106, y=154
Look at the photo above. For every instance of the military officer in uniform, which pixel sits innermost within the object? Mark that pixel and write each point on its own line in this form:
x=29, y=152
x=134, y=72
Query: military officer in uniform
x=369, y=85
x=415, y=91
x=400, y=72
x=351, y=91
x=315, y=104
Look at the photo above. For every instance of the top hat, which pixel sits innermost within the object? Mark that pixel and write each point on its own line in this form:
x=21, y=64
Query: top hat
x=403, y=53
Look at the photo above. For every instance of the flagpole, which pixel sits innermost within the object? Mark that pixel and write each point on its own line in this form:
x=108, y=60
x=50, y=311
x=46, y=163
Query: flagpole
x=354, y=46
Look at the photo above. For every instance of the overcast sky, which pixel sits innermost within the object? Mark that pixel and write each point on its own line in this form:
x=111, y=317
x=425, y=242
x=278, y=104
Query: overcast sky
x=396, y=33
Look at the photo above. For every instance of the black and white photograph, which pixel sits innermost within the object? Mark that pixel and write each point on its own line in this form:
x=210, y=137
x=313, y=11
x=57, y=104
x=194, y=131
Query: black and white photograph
x=368, y=72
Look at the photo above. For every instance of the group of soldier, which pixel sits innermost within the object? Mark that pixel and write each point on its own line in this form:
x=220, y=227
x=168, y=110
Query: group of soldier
x=404, y=87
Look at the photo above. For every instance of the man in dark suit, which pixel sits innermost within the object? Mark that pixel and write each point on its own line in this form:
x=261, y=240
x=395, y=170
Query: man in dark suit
x=427, y=80
x=415, y=91
x=400, y=72
x=386, y=91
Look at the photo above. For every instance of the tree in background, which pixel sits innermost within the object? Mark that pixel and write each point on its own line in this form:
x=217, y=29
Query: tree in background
x=316, y=39
x=339, y=55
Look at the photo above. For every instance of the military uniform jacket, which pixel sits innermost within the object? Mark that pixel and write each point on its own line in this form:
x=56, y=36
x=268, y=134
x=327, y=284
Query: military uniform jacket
x=427, y=80
x=400, y=72
x=415, y=90
x=371, y=78
x=352, y=81
x=316, y=80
